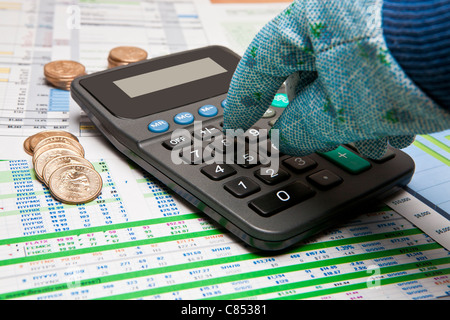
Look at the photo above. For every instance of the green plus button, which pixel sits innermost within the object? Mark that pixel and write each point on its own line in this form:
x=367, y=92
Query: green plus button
x=347, y=160
x=281, y=100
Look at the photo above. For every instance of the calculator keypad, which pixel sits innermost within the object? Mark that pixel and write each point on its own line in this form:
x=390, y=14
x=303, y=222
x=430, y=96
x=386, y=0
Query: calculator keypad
x=258, y=177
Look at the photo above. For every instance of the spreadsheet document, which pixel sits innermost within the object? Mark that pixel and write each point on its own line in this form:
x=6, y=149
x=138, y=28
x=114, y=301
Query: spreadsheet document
x=138, y=240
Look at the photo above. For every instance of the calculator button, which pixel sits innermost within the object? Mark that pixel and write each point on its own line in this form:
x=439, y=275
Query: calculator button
x=177, y=142
x=347, y=160
x=206, y=132
x=256, y=135
x=241, y=187
x=325, y=179
x=300, y=164
x=208, y=111
x=218, y=171
x=195, y=155
x=184, y=118
x=281, y=199
x=224, y=103
x=270, y=113
x=280, y=100
x=271, y=176
x=158, y=126
x=246, y=154
x=247, y=159
x=221, y=144
x=268, y=148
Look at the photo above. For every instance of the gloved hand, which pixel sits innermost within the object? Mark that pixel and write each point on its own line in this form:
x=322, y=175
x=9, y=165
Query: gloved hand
x=343, y=84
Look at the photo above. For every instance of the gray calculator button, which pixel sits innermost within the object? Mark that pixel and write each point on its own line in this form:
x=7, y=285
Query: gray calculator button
x=270, y=176
x=270, y=113
x=325, y=179
x=218, y=171
x=241, y=187
x=221, y=144
x=195, y=154
x=300, y=164
x=176, y=142
x=269, y=148
x=281, y=199
x=247, y=159
x=255, y=133
x=207, y=132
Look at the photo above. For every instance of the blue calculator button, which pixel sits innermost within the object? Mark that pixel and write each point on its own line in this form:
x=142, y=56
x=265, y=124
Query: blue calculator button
x=158, y=126
x=208, y=111
x=223, y=103
x=184, y=118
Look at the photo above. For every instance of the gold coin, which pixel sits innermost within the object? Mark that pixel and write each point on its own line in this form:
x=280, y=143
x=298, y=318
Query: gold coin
x=59, y=139
x=35, y=139
x=43, y=158
x=74, y=184
x=56, y=145
x=63, y=69
x=27, y=147
x=58, y=162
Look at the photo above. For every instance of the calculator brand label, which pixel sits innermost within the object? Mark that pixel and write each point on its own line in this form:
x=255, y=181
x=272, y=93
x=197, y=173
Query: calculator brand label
x=208, y=145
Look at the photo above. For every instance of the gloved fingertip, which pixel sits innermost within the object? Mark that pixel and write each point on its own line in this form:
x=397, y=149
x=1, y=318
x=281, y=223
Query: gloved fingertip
x=372, y=149
x=401, y=142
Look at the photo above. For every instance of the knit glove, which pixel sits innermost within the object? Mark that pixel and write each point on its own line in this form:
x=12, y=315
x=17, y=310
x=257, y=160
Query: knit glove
x=343, y=84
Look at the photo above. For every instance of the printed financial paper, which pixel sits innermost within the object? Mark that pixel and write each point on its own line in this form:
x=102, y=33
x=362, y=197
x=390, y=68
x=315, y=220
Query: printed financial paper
x=138, y=240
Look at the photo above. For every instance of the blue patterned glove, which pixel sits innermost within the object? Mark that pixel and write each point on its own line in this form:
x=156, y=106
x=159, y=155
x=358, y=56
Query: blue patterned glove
x=342, y=82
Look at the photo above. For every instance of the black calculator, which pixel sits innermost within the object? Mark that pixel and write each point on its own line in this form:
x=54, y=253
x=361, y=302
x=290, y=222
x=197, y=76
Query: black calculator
x=166, y=114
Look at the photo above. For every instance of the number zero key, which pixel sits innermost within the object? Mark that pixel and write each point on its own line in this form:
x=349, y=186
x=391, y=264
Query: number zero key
x=281, y=199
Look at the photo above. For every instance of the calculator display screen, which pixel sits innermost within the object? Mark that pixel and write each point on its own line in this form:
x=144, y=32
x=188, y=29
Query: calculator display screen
x=169, y=77
x=163, y=83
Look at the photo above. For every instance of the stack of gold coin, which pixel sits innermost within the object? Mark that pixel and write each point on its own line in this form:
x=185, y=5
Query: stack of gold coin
x=61, y=73
x=124, y=55
x=58, y=160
